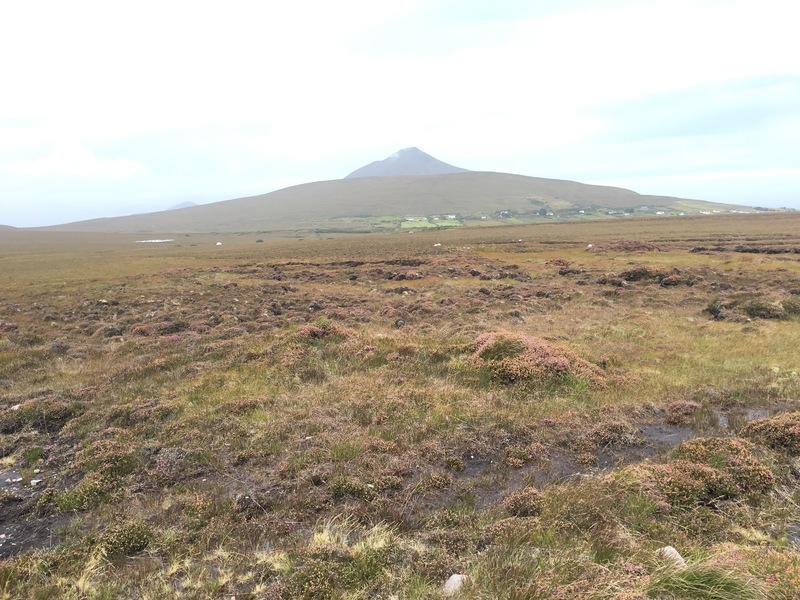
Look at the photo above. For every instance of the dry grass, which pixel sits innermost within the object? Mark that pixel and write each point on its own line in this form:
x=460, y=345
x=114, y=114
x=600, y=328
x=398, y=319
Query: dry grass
x=315, y=419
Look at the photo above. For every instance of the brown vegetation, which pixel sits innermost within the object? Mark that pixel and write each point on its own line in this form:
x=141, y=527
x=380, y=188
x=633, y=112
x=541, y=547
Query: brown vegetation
x=367, y=418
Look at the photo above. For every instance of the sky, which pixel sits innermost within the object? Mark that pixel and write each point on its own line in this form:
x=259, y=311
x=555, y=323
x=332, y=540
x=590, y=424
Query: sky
x=112, y=108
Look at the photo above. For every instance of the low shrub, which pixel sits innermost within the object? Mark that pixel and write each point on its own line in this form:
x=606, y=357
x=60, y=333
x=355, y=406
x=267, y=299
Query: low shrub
x=734, y=458
x=343, y=486
x=512, y=358
x=526, y=502
x=614, y=434
x=763, y=308
x=46, y=415
x=125, y=539
x=703, y=471
x=161, y=328
x=642, y=273
x=781, y=432
x=109, y=457
x=679, y=412
x=93, y=490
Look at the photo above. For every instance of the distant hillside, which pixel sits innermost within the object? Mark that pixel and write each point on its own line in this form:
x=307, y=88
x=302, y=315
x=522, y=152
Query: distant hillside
x=406, y=162
x=392, y=203
x=6, y=227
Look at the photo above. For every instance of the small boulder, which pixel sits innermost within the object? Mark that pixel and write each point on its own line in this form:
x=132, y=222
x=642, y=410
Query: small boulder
x=670, y=554
x=454, y=584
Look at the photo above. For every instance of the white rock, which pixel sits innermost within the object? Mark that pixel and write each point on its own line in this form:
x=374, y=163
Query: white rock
x=454, y=584
x=35, y=482
x=219, y=243
x=669, y=553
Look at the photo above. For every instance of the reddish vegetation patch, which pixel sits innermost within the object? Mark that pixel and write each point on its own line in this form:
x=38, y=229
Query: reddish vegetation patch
x=678, y=412
x=526, y=502
x=781, y=432
x=512, y=358
x=7, y=326
x=705, y=470
x=732, y=456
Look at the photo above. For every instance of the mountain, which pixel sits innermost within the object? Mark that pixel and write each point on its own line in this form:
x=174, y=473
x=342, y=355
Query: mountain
x=390, y=203
x=406, y=162
x=183, y=205
x=6, y=228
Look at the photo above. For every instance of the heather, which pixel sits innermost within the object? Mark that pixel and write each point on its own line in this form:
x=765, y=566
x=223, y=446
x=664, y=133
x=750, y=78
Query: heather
x=369, y=417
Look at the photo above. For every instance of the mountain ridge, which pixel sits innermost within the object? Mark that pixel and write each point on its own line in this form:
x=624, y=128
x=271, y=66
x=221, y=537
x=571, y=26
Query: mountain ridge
x=365, y=204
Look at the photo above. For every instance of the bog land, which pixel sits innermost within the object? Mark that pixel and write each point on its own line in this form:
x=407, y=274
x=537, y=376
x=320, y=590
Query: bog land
x=537, y=409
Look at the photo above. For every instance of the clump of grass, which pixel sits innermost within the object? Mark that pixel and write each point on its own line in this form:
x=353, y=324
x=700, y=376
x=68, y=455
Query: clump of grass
x=781, y=432
x=703, y=580
x=512, y=358
x=342, y=558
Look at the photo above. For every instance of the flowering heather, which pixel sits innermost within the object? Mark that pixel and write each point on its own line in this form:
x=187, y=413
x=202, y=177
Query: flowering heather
x=320, y=330
x=680, y=411
x=732, y=456
x=526, y=502
x=704, y=470
x=781, y=432
x=512, y=358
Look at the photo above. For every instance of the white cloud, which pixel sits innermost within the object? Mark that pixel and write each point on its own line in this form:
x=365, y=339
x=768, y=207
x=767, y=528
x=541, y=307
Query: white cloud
x=74, y=161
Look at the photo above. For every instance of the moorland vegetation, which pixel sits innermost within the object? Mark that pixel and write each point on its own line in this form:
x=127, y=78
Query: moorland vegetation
x=541, y=409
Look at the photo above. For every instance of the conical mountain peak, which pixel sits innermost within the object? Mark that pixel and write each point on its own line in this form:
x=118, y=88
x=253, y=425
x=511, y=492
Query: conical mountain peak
x=406, y=162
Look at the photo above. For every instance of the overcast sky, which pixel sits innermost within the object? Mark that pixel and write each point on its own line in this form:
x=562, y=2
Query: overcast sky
x=112, y=108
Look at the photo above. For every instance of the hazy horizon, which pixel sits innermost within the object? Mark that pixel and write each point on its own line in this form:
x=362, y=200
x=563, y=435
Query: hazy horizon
x=687, y=99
